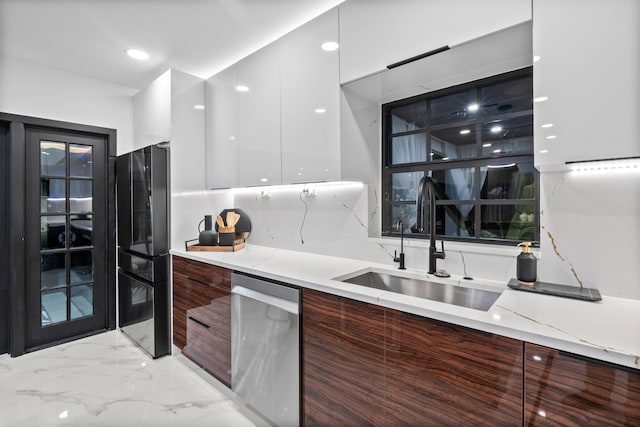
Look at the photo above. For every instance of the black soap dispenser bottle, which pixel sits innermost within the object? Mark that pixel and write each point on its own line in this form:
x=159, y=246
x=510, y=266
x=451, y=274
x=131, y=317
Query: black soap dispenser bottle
x=527, y=265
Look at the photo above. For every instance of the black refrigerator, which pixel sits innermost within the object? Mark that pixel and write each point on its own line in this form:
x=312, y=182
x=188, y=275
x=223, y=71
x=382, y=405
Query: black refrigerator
x=143, y=253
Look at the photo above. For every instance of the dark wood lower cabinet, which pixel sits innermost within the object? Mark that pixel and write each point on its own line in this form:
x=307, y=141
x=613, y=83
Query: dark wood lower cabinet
x=562, y=389
x=343, y=361
x=202, y=315
x=367, y=365
x=441, y=374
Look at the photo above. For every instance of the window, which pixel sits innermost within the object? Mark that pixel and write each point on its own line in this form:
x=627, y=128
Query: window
x=476, y=142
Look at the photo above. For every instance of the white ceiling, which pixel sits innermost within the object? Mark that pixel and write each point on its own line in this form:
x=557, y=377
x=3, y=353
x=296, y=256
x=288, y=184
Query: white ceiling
x=200, y=37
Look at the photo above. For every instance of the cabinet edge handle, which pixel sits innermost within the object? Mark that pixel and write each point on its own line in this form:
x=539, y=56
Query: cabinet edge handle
x=200, y=282
x=204, y=325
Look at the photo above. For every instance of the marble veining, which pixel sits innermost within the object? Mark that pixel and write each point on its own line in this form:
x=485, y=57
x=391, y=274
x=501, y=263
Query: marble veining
x=105, y=380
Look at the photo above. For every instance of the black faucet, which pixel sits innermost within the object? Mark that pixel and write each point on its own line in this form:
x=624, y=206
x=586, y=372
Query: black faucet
x=400, y=258
x=426, y=184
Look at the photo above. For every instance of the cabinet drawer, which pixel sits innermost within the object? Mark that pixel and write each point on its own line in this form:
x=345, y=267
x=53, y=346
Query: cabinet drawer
x=201, y=272
x=208, y=340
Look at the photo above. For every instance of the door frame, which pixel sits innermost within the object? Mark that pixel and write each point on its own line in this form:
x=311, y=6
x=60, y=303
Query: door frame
x=17, y=224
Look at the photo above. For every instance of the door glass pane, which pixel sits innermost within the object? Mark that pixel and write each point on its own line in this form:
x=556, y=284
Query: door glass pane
x=409, y=117
x=81, y=195
x=54, y=307
x=53, y=196
x=81, y=266
x=80, y=160
x=409, y=148
x=454, y=143
x=52, y=158
x=455, y=184
x=457, y=107
x=81, y=230
x=53, y=270
x=52, y=231
x=81, y=301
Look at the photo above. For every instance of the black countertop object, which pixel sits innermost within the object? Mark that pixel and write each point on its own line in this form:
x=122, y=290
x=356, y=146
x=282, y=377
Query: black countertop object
x=585, y=294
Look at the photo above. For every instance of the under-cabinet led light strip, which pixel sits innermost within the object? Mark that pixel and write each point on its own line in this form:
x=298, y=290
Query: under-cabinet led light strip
x=296, y=187
x=614, y=165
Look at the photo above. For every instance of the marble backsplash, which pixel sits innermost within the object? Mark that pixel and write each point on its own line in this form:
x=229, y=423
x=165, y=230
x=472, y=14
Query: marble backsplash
x=590, y=227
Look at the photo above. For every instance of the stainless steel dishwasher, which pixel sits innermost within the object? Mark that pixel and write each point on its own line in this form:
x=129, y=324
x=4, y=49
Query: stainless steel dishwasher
x=265, y=347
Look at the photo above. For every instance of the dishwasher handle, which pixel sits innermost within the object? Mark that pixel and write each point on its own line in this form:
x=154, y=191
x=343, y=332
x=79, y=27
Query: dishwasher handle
x=283, y=304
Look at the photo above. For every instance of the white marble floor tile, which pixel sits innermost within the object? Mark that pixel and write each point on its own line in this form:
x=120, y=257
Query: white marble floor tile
x=105, y=380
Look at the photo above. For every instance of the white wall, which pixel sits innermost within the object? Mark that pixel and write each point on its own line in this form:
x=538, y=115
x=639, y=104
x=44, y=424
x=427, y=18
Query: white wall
x=31, y=89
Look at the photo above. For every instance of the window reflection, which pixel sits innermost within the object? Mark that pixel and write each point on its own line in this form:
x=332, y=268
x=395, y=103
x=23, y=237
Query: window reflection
x=80, y=160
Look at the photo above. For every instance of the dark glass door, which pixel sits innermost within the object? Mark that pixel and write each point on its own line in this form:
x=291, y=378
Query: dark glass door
x=66, y=236
x=4, y=243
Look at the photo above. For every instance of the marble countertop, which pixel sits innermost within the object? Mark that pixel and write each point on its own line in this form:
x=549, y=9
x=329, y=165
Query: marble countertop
x=604, y=330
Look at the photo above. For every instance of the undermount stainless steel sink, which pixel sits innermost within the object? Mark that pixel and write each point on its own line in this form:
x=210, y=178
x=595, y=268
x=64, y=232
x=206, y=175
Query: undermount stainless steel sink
x=463, y=296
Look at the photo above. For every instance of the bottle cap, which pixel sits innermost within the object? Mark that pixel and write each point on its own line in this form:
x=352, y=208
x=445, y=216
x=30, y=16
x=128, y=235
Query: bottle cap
x=526, y=247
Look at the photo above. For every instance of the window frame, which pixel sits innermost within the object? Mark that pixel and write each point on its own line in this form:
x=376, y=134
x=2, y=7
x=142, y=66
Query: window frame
x=388, y=169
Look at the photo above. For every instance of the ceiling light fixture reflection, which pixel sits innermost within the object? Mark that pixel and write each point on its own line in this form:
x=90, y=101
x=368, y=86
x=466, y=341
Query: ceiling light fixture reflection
x=320, y=110
x=551, y=137
x=138, y=54
x=242, y=88
x=540, y=99
x=496, y=129
x=330, y=46
x=508, y=165
x=543, y=151
x=465, y=131
x=198, y=107
x=472, y=107
x=547, y=125
x=536, y=58
x=445, y=158
x=488, y=144
x=497, y=151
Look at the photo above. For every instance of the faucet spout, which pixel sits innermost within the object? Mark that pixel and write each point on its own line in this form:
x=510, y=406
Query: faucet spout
x=426, y=186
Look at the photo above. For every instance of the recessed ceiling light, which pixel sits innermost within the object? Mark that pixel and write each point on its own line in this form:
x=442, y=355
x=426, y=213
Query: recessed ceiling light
x=486, y=145
x=472, y=107
x=544, y=151
x=497, y=151
x=242, y=88
x=496, y=129
x=137, y=54
x=320, y=110
x=547, y=125
x=330, y=46
x=464, y=131
x=198, y=107
x=551, y=137
x=540, y=99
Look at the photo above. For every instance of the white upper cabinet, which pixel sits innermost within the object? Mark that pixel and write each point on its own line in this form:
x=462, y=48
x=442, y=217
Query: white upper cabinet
x=259, y=160
x=588, y=71
x=222, y=129
x=310, y=102
x=374, y=34
x=152, y=113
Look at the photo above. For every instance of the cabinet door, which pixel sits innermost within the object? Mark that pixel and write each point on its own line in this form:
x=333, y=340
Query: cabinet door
x=259, y=118
x=376, y=34
x=342, y=361
x=561, y=389
x=441, y=374
x=592, y=88
x=310, y=102
x=222, y=129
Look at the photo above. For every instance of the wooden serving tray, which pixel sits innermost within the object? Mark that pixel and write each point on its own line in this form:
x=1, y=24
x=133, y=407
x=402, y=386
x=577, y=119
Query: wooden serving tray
x=239, y=244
